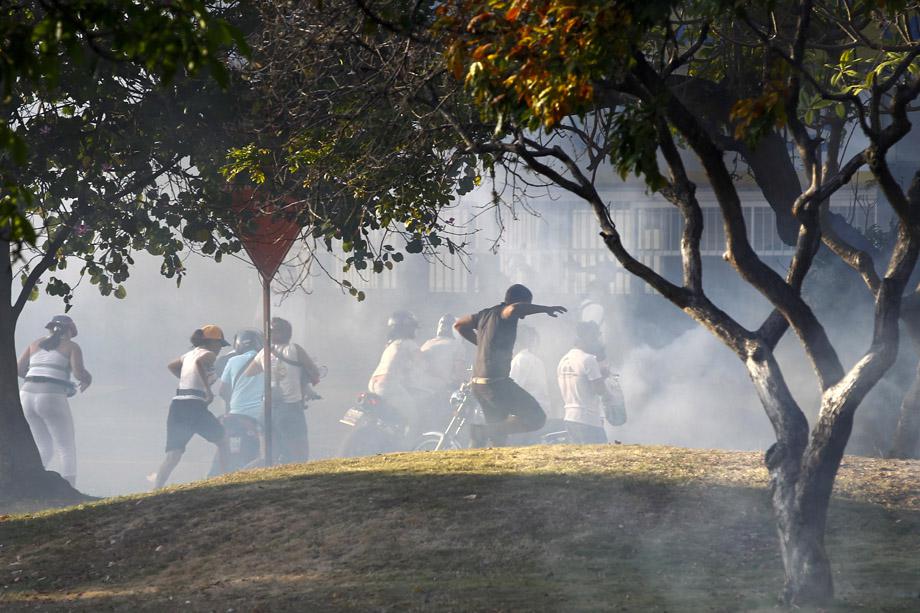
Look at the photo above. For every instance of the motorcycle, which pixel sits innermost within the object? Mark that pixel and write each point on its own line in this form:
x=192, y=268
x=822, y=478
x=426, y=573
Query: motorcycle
x=377, y=427
x=464, y=410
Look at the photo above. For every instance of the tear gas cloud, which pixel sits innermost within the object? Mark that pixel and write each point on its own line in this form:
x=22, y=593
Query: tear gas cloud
x=682, y=386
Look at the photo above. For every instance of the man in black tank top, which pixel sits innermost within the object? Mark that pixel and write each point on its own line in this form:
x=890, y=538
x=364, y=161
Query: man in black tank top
x=508, y=409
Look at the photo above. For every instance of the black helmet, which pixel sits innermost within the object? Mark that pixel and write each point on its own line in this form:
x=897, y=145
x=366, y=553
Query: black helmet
x=248, y=340
x=401, y=324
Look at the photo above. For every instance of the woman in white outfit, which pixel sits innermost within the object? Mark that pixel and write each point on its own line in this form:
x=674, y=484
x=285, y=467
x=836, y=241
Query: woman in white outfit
x=47, y=365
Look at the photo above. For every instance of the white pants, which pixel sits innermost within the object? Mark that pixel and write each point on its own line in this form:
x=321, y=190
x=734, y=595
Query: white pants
x=52, y=426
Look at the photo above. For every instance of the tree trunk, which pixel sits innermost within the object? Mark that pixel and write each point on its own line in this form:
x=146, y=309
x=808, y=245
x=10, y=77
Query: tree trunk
x=905, y=443
x=907, y=434
x=808, y=570
x=800, y=525
x=800, y=528
x=22, y=476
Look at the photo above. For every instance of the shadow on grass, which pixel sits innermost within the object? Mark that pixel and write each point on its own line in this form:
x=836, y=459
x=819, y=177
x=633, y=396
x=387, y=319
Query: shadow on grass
x=399, y=540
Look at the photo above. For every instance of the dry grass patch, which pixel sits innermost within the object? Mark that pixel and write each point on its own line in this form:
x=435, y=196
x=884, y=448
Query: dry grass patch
x=538, y=528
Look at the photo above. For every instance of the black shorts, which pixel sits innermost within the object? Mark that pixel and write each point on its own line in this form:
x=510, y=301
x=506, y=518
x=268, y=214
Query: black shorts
x=503, y=397
x=188, y=418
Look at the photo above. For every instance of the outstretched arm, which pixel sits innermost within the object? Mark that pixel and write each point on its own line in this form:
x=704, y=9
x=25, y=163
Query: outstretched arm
x=520, y=310
x=466, y=328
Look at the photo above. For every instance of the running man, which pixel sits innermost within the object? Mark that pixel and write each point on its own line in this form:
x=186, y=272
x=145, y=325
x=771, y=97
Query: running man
x=188, y=412
x=508, y=409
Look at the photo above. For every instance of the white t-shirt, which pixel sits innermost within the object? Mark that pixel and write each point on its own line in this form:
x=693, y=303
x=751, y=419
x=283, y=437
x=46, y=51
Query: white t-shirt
x=285, y=375
x=576, y=371
x=528, y=371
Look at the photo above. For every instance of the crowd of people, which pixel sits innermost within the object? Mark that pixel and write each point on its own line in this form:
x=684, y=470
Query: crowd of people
x=507, y=379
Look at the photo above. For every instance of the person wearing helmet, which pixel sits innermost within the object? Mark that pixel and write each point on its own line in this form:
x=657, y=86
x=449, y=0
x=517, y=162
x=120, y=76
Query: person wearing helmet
x=507, y=407
x=242, y=397
x=293, y=374
x=445, y=356
x=188, y=412
x=445, y=359
x=401, y=378
x=241, y=393
x=46, y=365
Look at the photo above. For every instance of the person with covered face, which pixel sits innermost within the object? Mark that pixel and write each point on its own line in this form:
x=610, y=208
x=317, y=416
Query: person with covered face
x=293, y=373
x=446, y=362
x=582, y=382
x=47, y=365
x=188, y=411
x=445, y=355
x=508, y=408
x=401, y=377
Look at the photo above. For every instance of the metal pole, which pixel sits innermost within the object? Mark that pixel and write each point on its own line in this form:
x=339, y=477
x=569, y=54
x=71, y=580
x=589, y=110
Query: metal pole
x=267, y=365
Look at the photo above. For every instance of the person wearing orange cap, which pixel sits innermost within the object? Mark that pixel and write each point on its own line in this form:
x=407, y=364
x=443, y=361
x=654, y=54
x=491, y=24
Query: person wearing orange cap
x=188, y=412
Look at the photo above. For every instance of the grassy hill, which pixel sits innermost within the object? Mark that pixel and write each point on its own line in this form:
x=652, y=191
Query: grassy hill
x=556, y=528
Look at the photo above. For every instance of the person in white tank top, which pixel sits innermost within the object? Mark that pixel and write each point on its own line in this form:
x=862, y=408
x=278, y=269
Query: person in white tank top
x=47, y=365
x=188, y=412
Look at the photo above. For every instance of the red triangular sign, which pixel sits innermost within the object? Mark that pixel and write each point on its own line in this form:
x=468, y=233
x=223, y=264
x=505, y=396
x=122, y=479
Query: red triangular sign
x=266, y=236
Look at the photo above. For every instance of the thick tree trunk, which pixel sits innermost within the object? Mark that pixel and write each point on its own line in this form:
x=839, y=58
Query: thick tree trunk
x=906, y=441
x=22, y=475
x=808, y=570
x=800, y=525
x=907, y=434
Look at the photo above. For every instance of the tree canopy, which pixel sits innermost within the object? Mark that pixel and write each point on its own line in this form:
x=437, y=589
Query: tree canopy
x=59, y=57
x=566, y=89
x=345, y=127
x=105, y=150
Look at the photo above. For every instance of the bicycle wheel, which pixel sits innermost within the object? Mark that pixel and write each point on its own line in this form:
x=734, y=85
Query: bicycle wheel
x=429, y=442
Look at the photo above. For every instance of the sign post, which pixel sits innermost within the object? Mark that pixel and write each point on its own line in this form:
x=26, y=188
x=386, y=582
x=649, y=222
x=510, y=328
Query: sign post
x=267, y=365
x=267, y=236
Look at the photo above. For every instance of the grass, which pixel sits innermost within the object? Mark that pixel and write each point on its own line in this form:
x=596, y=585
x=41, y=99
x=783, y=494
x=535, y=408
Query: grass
x=538, y=529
